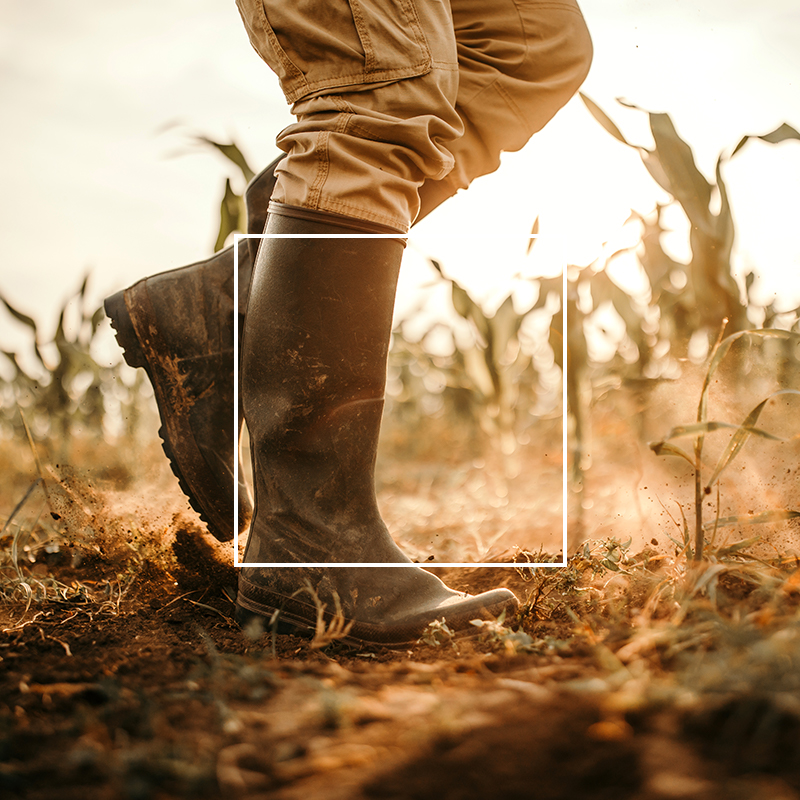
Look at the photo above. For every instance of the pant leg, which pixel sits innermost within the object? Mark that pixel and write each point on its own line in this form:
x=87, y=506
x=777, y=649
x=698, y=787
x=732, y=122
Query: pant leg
x=400, y=104
x=519, y=62
x=373, y=85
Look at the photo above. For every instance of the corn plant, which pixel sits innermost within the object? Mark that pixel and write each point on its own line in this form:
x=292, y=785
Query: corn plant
x=590, y=291
x=741, y=432
x=784, y=354
x=711, y=293
x=232, y=212
x=489, y=379
x=683, y=298
x=69, y=392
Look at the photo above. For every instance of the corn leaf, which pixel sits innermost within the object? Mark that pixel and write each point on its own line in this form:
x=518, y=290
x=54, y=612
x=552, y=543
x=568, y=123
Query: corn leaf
x=666, y=449
x=721, y=351
x=775, y=515
x=462, y=302
x=736, y=546
x=19, y=316
x=657, y=172
x=532, y=237
x=84, y=284
x=471, y=311
x=689, y=187
x=436, y=265
x=603, y=119
x=698, y=428
x=229, y=216
x=233, y=154
x=743, y=433
x=623, y=303
x=504, y=325
x=780, y=134
x=725, y=229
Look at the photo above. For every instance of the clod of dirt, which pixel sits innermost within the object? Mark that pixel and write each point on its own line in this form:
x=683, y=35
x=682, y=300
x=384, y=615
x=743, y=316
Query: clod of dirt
x=201, y=564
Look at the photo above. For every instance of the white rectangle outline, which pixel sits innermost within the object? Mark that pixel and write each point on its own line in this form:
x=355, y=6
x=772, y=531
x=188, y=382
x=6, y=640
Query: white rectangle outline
x=237, y=237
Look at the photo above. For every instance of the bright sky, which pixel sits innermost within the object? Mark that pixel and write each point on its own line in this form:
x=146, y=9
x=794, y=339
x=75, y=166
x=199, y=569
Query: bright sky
x=100, y=101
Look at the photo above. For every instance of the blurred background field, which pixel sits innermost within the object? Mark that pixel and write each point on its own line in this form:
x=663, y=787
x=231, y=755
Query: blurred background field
x=472, y=457
x=666, y=224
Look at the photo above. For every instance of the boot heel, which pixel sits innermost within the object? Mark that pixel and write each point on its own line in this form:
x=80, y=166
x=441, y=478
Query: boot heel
x=117, y=311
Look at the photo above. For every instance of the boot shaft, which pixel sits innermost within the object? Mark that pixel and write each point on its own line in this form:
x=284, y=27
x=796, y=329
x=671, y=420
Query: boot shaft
x=314, y=355
x=318, y=325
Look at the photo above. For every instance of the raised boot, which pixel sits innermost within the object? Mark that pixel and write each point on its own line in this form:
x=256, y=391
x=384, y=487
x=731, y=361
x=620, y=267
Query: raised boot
x=313, y=375
x=178, y=326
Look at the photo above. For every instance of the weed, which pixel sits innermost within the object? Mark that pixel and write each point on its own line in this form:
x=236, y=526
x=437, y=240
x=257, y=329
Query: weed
x=740, y=434
x=335, y=629
x=508, y=641
x=439, y=633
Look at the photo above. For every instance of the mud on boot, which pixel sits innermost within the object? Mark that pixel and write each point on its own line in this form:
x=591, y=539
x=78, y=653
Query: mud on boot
x=178, y=326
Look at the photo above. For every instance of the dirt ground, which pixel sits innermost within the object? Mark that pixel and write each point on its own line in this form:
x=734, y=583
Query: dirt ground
x=133, y=681
x=166, y=698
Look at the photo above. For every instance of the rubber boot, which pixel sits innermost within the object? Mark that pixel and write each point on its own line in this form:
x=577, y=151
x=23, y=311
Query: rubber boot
x=178, y=326
x=314, y=354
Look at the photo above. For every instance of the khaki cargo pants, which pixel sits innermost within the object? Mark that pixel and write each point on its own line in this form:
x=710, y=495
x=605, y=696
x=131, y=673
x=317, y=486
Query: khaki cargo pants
x=400, y=103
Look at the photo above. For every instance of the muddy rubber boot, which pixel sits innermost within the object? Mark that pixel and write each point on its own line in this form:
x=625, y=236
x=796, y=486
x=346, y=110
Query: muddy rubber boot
x=178, y=326
x=313, y=375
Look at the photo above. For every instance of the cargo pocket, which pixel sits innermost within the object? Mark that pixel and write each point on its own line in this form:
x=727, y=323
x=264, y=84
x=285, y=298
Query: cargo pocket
x=319, y=46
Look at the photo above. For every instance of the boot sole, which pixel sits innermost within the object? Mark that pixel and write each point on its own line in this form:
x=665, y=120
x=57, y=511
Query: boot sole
x=296, y=618
x=287, y=623
x=131, y=315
